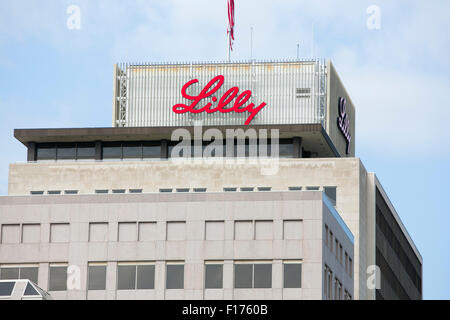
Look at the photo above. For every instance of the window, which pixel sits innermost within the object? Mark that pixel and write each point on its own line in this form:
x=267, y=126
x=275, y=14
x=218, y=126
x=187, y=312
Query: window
x=101, y=191
x=132, y=150
x=264, y=188
x=165, y=190
x=331, y=194
x=10, y=233
x=46, y=151
x=312, y=188
x=112, y=150
x=135, y=190
x=6, y=288
x=176, y=230
x=13, y=272
x=252, y=275
x=331, y=241
x=53, y=192
x=59, y=232
x=58, y=277
x=247, y=189
x=66, y=151
x=328, y=283
x=127, y=231
x=346, y=262
x=340, y=254
x=118, y=191
x=292, y=229
x=183, y=190
x=214, y=230
x=295, y=188
x=213, y=275
x=263, y=230
x=230, y=189
x=199, y=189
x=97, y=276
x=243, y=230
x=174, y=276
x=36, y=193
x=147, y=231
x=131, y=276
x=151, y=150
x=337, y=248
x=292, y=274
x=85, y=151
x=350, y=267
x=31, y=233
x=30, y=291
x=327, y=242
x=286, y=150
x=98, y=231
x=71, y=192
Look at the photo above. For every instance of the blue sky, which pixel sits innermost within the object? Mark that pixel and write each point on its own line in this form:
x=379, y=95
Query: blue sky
x=398, y=77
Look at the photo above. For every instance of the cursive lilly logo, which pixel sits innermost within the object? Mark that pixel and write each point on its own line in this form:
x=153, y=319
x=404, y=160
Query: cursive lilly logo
x=212, y=87
x=343, y=122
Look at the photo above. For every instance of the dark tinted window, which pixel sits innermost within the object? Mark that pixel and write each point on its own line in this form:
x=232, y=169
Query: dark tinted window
x=175, y=276
x=30, y=291
x=58, y=279
x=145, y=277
x=67, y=151
x=151, y=150
x=286, y=150
x=85, y=151
x=6, y=288
x=30, y=273
x=9, y=273
x=263, y=275
x=243, y=275
x=97, y=277
x=112, y=150
x=292, y=275
x=46, y=151
x=126, y=277
x=213, y=276
x=132, y=150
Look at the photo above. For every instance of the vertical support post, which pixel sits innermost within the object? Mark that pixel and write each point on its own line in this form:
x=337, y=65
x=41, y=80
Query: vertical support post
x=164, y=149
x=98, y=150
x=297, y=142
x=31, y=155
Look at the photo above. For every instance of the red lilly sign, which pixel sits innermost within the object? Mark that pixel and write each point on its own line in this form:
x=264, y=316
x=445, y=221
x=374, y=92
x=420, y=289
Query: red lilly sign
x=212, y=87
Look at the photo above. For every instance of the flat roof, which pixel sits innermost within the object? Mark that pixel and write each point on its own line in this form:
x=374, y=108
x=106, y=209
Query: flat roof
x=314, y=136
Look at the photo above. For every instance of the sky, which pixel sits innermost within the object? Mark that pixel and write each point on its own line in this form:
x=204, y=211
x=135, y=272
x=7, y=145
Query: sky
x=390, y=55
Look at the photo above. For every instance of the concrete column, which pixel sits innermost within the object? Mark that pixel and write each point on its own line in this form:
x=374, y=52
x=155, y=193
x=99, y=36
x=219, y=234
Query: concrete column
x=31, y=156
x=297, y=141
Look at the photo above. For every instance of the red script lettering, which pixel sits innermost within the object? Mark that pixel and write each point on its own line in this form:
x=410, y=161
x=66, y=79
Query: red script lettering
x=212, y=87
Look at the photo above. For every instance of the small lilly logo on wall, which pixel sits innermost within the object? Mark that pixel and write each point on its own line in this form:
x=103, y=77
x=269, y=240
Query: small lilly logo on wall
x=212, y=87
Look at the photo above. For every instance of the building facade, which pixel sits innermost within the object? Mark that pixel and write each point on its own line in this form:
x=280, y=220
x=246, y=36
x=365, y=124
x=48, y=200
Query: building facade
x=277, y=207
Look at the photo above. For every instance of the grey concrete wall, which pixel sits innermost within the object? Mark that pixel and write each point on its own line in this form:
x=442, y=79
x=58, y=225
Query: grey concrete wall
x=192, y=247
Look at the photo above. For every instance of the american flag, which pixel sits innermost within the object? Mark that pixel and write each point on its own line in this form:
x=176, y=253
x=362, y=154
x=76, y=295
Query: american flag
x=231, y=22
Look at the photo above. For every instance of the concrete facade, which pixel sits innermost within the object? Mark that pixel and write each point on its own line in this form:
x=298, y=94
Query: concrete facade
x=355, y=200
x=285, y=226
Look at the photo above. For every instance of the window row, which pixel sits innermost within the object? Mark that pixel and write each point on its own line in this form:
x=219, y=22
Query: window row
x=138, y=150
x=141, y=276
x=147, y=231
x=333, y=288
x=341, y=255
x=329, y=191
